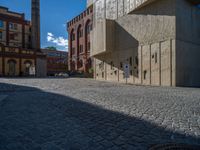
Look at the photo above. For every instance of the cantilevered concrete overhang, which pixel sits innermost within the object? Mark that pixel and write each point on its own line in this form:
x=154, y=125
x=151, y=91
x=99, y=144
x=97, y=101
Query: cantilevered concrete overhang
x=103, y=37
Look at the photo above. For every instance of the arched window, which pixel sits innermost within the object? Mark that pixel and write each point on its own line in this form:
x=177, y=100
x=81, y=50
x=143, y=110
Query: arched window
x=79, y=35
x=72, y=38
x=11, y=67
x=73, y=65
x=81, y=63
x=27, y=64
x=72, y=35
x=88, y=28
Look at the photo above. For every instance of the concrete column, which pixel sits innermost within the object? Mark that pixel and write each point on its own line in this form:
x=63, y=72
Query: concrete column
x=150, y=64
x=170, y=62
x=160, y=63
x=95, y=70
x=105, y=72
x=141, y=63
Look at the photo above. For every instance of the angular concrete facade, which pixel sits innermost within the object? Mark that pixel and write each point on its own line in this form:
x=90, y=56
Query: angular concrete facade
x=159, y=39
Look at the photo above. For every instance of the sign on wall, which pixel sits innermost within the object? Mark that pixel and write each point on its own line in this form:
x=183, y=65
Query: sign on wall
x=126, y=71
x=32, y=70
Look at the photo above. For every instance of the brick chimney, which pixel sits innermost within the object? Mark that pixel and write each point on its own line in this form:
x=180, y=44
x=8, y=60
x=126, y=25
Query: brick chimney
x=35, y=22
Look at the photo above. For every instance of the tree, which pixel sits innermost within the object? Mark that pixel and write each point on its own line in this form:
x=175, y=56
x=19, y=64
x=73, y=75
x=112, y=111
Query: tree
x=51, y=48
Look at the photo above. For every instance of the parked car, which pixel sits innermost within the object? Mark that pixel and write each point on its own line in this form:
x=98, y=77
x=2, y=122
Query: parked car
x=62, y=74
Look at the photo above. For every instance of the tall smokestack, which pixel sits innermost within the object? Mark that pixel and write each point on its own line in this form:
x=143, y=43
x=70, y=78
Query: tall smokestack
x=35, y=21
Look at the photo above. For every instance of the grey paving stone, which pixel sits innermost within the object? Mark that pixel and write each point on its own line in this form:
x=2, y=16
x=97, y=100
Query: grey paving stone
x=80, y=114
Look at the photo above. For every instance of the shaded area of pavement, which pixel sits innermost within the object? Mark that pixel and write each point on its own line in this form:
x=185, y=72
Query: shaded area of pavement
x=33, y=119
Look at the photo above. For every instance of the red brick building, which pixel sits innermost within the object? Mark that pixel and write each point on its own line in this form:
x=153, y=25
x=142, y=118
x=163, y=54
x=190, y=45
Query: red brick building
x=56, y=61
x=79, y=42
x=20, y=55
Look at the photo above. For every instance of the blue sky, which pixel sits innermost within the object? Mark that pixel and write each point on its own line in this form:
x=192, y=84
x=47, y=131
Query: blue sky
x=54, y=15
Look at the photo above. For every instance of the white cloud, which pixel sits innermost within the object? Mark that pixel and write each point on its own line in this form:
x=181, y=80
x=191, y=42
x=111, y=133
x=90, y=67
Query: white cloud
x=59, y=41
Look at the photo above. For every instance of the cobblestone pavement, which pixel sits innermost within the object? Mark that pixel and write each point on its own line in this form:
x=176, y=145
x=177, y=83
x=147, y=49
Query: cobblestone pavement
x=82, y=114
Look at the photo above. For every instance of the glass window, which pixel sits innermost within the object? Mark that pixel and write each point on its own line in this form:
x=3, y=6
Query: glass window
x=15, y=26
x=1, y=24
x=11, y=26
x=1, y=35
x=12, y=36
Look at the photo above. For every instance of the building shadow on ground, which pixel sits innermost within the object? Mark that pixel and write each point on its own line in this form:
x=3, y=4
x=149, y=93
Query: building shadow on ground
x=33, y=119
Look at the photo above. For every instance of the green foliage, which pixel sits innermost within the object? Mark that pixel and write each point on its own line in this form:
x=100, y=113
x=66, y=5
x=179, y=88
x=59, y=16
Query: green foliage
x=91, y=70
x=51, y=48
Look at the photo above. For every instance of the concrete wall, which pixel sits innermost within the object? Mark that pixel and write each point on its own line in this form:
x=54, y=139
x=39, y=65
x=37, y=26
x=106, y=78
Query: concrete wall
x=113, y=9
x=103, y=37
x=188, y=44
x=141, y=37
x=152, y=64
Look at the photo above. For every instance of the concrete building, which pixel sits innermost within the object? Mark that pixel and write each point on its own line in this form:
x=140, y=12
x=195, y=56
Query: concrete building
x=56, y=61
x=19, y=47
x=79, y=29
x=158, y=39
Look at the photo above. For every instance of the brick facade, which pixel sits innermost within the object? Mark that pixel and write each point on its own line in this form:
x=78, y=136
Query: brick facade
x=79, y=42
x=56, y=61
x=16, y=52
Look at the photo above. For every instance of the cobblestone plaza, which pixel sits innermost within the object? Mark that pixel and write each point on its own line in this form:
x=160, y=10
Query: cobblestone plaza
x=76, y=114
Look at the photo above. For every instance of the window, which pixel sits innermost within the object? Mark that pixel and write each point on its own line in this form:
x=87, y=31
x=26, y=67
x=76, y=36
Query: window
x=131, y=72
x=111, y=65
x=12, y=67
x=1, y=35
x=12, y=36
x=29, y=38
x=81, y=63
x=156, y=57
x=80, y=34
x=102, y=74
x=130, y=61
x=1, y=24
x=121, y=65
x=145, y=75
x=13, y=26
x=136, y=60
x=137, y=72
x=73, y=36
x=81, y=48
x=88, y=29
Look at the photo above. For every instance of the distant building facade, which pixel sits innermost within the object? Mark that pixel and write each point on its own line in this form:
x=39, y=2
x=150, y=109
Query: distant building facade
x=18, y=55
x=79, y=29
x=158, y=39
x=56, y=61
